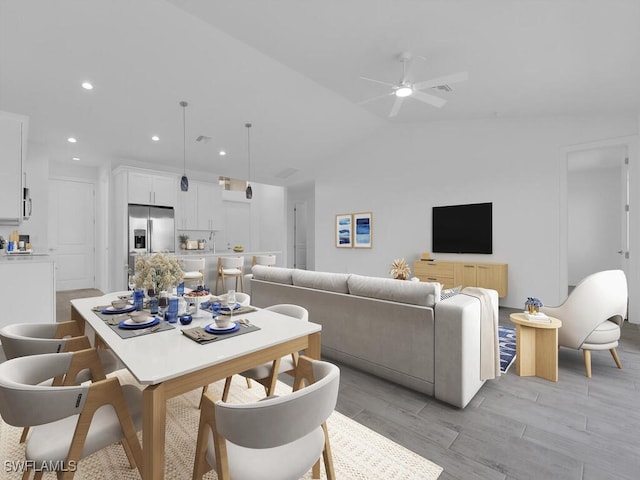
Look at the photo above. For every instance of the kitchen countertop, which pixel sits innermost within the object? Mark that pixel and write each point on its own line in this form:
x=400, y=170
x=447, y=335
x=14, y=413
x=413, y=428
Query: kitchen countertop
x=223, y=253
x=25, y=257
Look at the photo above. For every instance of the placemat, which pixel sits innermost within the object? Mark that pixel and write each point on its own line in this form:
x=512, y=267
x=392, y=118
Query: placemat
x=114, y=320
x=201, y=336
x=237, y=311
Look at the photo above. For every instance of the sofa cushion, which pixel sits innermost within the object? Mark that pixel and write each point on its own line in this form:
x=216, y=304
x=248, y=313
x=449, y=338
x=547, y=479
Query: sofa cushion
x=414, y=293
x=332, y=282
x=272, y=274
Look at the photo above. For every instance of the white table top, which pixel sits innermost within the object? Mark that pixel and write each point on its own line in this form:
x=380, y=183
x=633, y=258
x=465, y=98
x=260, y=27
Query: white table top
x=156, y=357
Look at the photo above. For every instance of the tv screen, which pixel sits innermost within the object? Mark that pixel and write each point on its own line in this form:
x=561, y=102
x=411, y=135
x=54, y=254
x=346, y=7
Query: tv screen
x=462, y=229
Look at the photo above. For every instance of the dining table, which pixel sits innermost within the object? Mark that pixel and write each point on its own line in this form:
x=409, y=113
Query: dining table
x=168, y=363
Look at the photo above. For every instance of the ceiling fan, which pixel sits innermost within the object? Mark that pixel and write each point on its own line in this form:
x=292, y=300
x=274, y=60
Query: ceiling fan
x=406, y=88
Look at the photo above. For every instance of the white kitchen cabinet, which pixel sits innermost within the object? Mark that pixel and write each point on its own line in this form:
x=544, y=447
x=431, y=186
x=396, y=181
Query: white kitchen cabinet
x=148, y=188
x=29, y=290
x=200, y=208
x=13, y=142
x=188, y=208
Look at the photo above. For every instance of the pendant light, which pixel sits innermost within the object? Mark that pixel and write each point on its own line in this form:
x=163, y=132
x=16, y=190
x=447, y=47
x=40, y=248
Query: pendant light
x=184, y=181
x=248, y=191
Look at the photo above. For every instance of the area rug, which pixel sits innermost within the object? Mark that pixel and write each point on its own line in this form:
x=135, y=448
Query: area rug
x=358, y=452
x=507, y=342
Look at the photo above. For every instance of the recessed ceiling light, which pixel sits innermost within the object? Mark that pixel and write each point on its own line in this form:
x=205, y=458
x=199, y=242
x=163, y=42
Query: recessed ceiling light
x=71, y=140
x=155, y=138
x=77, y=159
x=87, y=86
x=222, y=153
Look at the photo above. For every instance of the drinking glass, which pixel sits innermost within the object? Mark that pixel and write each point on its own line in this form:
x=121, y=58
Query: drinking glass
x=231, y=301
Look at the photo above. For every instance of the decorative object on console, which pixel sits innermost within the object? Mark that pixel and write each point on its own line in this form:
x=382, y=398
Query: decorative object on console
x=158, y=271
x=184, y=181
x=344, y=230
x=249, y=190
x=363, y=235
x=184, y=238
x=400, y=269
x=532, y=305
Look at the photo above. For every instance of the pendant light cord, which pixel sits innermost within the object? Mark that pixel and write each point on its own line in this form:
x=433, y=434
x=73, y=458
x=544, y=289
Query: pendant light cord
x=184, y=104
x=248, y=125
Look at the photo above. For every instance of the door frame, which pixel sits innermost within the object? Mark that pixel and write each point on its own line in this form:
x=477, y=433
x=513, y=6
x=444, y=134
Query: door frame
x=633, y=265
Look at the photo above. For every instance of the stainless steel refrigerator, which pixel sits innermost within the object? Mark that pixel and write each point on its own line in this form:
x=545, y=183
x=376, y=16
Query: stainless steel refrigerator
x=151, y=230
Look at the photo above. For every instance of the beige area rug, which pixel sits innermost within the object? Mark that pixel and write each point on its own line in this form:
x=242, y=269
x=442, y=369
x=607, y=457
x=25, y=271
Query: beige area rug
x=358, y=452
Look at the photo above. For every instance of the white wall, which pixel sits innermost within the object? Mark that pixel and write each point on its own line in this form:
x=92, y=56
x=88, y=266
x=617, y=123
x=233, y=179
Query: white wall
x=403, y=171
x=595, y=222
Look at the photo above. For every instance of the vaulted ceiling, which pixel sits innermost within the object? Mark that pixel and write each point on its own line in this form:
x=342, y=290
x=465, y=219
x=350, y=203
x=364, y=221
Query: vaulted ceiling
x=292, y=68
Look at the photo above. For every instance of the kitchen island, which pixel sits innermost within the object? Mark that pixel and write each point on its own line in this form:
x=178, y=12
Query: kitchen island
x=28, y=292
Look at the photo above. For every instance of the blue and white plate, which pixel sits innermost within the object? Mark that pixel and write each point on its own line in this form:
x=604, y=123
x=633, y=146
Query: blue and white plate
x=112, y=310
x=211, y=328
x=129, y=324
x=237, y=306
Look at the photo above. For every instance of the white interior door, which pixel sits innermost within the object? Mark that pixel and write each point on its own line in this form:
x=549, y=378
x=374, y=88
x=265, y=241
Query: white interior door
x=598, y=217
x=72, y=232
x=300, y=235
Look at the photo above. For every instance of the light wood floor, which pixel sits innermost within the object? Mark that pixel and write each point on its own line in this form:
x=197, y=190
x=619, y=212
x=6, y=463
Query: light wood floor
x=515, y=427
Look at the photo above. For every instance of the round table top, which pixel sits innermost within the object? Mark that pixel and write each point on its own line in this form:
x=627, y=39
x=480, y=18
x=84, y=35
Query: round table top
x=521, y=319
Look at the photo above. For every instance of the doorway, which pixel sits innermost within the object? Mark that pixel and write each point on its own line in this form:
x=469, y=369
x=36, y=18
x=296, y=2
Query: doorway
x=598, y=213
x=72, y=233
x=300, y=235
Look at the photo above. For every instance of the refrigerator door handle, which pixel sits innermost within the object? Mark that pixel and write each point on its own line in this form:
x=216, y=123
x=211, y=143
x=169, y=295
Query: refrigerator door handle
x=150, y=246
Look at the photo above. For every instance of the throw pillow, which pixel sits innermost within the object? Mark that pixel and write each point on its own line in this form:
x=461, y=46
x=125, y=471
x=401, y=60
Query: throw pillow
x=450, y=292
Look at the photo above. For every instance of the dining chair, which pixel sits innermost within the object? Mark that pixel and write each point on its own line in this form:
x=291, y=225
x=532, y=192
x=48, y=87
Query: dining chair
x=593, y=314
x=266, y=260
x=267, y=373
x=275, y=438
x=244, y=299
x=193, y=270
x=24, y=339
x=230, y=267
x=67, y=421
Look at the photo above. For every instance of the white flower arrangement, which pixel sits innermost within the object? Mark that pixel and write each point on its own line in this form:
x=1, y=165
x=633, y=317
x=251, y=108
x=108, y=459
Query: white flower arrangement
x=158, y=272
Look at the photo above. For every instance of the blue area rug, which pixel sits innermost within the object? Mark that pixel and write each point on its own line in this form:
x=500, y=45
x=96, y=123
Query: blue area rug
x=507, y=341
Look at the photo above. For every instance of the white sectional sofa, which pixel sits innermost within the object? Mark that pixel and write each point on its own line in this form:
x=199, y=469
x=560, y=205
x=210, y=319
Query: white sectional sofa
x=394, y=329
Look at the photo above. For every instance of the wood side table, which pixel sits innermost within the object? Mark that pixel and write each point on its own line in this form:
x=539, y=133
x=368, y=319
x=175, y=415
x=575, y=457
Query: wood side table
x=536, y=347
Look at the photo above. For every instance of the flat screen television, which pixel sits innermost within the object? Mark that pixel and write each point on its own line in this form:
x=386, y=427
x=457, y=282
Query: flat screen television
x=462, y=228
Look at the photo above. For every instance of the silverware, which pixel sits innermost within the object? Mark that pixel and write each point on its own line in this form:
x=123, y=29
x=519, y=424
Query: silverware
x=244, y=322
x=155, y=328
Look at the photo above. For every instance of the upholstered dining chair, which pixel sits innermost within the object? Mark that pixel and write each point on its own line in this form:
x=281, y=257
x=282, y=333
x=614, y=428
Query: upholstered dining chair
x=273, y=439
x=243, y=299
x=193, y=270
x=67, y=422
x=266, y=260
x=267, y=373
x=593, y=314
x=24, y=339
x=230, y=267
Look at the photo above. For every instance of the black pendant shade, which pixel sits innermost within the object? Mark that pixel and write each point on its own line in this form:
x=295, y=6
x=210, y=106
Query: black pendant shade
x=248, y=192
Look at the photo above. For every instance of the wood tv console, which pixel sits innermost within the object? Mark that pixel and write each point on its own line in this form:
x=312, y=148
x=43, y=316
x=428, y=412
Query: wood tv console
x=468, y=274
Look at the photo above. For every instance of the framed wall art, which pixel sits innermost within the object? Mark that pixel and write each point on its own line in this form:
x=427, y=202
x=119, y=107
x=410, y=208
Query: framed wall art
x=363, y=230
x=344, y=230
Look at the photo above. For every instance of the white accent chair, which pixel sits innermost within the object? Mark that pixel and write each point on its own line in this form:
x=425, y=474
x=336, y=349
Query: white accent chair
x=230, y=267
x=193, y=270
x=68, y=422
x=267, y=373
x=243, y=299
x=273, y=439
x=593, y=314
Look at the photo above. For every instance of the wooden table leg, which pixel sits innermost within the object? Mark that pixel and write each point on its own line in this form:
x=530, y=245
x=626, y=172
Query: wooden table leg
x=313, y=350
x=154, y=417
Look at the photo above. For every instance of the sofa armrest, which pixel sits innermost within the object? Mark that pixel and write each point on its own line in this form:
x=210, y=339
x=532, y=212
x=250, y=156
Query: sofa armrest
x=457, y=350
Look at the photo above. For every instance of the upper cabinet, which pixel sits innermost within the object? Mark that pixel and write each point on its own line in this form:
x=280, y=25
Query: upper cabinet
x=13, y=149
x=200, y=208
x=150, y=188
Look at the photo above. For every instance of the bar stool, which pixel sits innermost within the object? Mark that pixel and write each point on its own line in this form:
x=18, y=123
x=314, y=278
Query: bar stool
x=193, y=270
x=266, y=260
x=230, y=267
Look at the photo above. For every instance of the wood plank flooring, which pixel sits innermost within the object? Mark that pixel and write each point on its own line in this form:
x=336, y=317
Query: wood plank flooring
x=517, y=427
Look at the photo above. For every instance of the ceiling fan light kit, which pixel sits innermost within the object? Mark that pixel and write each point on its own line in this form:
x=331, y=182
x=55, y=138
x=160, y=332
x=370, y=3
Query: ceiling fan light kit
x=406, y=88
x=184, y=181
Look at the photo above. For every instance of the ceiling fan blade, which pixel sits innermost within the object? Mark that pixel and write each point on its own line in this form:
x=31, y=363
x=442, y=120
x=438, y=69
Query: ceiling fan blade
x=378, y=81
x=444, y=80
x=396, y=106
x=375, y=98
x=430, y=99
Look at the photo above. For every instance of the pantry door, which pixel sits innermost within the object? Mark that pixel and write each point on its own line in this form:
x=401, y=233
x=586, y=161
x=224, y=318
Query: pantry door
x=72, y=232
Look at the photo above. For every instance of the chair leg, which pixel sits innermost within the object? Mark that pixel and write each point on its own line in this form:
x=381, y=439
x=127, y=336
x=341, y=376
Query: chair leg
x=25, y=432
x=204, y=390
x=225, y=390
x=587, y=362
x=248, y=382
x=129, y=453
x=328, y=456
x=614, y=353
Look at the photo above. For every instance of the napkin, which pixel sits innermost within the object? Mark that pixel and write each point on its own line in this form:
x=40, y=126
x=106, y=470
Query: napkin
x=244, y=309
x=199, y=334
